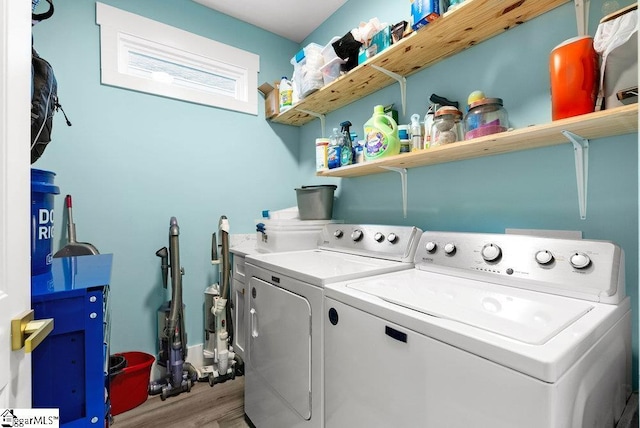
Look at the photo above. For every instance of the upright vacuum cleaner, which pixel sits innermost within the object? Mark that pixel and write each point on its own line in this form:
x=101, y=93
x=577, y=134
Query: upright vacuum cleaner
x=172, y=336
x=221, y=362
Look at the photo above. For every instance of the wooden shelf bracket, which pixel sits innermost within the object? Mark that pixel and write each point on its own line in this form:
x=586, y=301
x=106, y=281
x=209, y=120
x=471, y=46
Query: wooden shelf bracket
x=581, y=154
x=403, y=179
x=401, y=80
x=322, y=118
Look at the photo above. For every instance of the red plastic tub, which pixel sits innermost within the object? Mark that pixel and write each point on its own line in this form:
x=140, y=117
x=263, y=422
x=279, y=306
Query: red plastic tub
x=129, y=387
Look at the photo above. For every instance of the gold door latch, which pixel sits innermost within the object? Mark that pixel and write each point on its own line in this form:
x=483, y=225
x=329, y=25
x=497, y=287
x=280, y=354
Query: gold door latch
x=29, y=333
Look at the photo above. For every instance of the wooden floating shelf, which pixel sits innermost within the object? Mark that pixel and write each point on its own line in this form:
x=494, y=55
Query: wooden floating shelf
x=471, y=23
x=617, y=121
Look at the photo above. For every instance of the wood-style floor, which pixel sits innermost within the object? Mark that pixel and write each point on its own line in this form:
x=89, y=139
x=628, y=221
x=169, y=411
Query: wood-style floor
x=220, y=406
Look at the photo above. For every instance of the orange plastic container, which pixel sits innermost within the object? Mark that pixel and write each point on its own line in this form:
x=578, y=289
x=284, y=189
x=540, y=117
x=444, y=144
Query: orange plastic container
x=573, y=66
x=129, y=388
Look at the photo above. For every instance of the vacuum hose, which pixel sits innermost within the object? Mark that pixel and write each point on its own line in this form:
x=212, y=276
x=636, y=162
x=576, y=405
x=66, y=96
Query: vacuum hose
x=176, y=276
x=175, y=331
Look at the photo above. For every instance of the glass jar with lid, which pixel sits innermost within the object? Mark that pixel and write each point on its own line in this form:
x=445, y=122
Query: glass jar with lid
x=485, y=116
x=446, y=127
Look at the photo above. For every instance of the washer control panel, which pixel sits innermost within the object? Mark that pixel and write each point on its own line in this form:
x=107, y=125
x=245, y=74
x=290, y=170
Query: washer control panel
x=380, y=241
x=588, y=269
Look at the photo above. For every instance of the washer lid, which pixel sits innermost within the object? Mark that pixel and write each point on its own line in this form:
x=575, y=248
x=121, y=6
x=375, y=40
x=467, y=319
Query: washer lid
x=526, y=316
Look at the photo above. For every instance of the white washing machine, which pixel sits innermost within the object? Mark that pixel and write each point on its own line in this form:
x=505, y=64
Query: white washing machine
x=283, y=362
x=488, y=331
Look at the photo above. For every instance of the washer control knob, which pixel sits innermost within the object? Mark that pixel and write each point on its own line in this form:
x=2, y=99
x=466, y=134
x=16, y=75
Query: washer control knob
x=579, y=260
x=338, y=233
x=491, y=252
x=450, y=249
x=379, y=237
x=431, y=247
x=544, y=257
x=356, y=235
x=392, y=237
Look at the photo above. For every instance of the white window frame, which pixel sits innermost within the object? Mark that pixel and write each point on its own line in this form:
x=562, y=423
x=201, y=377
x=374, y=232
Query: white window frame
x=192, y=68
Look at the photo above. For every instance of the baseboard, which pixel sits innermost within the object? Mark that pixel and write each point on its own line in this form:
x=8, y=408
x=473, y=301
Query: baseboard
x=195, y=355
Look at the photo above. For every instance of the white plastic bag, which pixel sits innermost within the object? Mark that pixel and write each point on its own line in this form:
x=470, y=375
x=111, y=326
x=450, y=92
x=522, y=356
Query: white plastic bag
x=366, y=30
x=610, y=36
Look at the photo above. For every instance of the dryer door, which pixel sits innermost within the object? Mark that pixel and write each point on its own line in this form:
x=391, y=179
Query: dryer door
x=238, y=316
x=280, y=343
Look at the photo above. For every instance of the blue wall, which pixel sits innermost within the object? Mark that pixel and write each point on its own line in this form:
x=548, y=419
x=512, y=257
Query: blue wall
x=533, y=189
x=133, y=160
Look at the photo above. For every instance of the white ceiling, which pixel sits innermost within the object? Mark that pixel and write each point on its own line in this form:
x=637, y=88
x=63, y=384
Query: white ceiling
x=299, y=19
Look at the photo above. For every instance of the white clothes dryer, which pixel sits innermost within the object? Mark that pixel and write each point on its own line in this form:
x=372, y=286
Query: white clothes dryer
x=283, y=362
x=488, y=331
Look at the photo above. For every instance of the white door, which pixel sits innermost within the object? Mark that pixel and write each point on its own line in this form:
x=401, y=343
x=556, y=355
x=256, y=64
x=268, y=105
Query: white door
x=15, y=275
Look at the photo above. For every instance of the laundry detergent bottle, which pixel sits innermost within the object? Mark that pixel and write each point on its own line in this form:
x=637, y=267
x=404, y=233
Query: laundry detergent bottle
x=381, y=135
x=285, y=94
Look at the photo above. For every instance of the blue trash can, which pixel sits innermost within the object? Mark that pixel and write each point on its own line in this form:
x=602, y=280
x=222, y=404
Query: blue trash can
x=42, y=200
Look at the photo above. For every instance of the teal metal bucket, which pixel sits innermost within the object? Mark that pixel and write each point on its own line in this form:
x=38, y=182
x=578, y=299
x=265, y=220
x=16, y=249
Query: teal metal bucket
x=42, y=200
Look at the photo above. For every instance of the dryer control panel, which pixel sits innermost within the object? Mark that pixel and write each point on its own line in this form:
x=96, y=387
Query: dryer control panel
x=380, y=241
x=586, y=269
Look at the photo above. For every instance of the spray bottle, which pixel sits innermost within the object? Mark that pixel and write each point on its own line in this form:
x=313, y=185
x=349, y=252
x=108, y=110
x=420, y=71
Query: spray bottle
x=347, y=156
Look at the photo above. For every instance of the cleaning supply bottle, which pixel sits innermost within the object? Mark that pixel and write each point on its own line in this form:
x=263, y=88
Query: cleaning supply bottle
x=335, y=148
x=417, y=143
x=428, y=121
x=381, y=135
x=286, y=94
x=346, y=151
x=358, y=151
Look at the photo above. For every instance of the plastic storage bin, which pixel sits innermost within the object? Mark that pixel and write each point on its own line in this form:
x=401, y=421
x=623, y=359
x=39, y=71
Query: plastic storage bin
x=130, y=387
x=331, y=70
x=332, y=62
x=307, y=77
x=328, y=52
x=288, y=235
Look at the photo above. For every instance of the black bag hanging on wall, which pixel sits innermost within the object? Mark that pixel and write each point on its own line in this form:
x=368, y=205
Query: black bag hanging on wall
x=37, y=17
x=44, y=96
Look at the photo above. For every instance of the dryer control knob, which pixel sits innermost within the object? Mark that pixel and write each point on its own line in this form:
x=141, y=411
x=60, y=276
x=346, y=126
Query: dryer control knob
x=491, y=252
x=393, y=238
x=338, y=233
x=579, y=260
x=449, y=249
x=356, y=235
x=544, y=257
x=379, y=237
x=431, y=247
